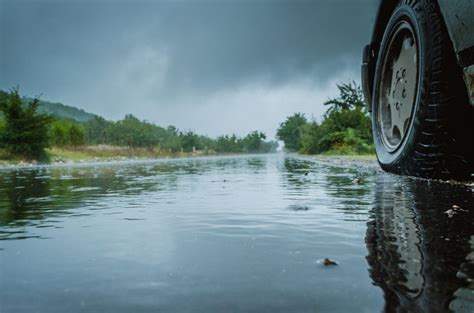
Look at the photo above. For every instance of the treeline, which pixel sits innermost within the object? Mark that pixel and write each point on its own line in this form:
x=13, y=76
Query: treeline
x=134, y=133
x=26, y=132
x=345, y=128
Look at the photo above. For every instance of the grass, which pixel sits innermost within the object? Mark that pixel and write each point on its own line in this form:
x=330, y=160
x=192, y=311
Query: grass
x=362, y=157
x=68, y=154
x=109, y=153
x=351, y=150
x=99, y=153
x=8, y=159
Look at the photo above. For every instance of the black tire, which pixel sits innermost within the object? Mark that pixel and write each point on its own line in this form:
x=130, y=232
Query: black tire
x=438, y=142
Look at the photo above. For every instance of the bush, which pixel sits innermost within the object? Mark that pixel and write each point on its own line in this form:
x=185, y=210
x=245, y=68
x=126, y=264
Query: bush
x=341, y=121
x=66, y=133
x=57, y=134
x=310, y=138
x=345, y=142
x=345, y=128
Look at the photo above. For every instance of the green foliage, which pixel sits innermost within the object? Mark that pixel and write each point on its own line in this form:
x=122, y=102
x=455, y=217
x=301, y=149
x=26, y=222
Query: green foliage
x=207, y=143
x=74, y=131
x=341, y=121
x=229, y=144
x=57, y=134
x=2, y=129
x=76, y=135
x=351, y=97
x=171, y=140
x=253, y=141
x=133, y=133
x=95, y=130
x=345, y=142
x=66, y=133
x=310, y=138
x=290, y=131
x=345, y=129
x=190, y=141
x=25, y=133
x=57, y=110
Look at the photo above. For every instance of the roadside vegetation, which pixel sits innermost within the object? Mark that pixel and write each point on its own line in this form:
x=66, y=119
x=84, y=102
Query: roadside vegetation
x=34, y=130
x=24, y=131
x=344, y=129
x=27, y=133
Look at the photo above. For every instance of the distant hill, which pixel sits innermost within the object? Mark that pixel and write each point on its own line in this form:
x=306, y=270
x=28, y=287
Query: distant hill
x=63, y=111
x=59, y=110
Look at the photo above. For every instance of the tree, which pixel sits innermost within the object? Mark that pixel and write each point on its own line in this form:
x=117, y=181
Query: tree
x=2, y=129
x=57, y=134
x=229, y=144
x=253, y=141
x=350, y=98
x=310, y=138
x=76, y=135
x=96, y=130
x=290, y=131
x=348, y=111
x=26, y=131
x=190, y=141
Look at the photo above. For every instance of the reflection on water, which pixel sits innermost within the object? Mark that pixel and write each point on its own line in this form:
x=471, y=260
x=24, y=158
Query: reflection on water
x=420, y=256
x=32, y=197
x=239, y=234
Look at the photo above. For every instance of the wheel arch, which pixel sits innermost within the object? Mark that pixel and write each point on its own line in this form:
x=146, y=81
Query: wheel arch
x=384, y=12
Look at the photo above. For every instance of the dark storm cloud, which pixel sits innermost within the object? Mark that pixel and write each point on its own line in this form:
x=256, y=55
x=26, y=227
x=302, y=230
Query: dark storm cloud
x=103, y=54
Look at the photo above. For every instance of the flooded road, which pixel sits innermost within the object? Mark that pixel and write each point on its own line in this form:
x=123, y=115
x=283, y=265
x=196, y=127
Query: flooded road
x=232, y=234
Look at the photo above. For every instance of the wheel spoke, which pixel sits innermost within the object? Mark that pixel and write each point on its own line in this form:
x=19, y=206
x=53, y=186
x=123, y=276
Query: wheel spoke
x=400, y=88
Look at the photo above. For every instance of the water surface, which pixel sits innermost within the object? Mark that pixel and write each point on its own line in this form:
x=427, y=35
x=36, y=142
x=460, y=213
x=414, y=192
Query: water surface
x=232, y=234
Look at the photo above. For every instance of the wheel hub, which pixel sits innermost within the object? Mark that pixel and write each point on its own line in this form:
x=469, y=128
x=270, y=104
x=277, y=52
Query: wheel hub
x=399, y=86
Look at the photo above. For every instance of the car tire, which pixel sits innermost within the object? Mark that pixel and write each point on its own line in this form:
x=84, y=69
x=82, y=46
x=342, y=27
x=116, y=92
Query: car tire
x=421, y=118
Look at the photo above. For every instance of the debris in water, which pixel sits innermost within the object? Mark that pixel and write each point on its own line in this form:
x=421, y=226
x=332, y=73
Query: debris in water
x=450, y=213
x=306, y=173
x=329, y=262
x=298, y=207
x=357, y=180
x=458, y=208
x=455, y=210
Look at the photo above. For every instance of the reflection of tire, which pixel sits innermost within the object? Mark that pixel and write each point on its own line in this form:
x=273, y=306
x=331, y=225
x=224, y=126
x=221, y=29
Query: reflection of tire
x=419, y=257
x=421, y=118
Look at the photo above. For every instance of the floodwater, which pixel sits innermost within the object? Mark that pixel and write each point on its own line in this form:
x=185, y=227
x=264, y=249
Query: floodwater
x=232, y=234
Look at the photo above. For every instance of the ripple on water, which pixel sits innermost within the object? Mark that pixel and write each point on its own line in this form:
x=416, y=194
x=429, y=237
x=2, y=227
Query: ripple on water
x=242, y=234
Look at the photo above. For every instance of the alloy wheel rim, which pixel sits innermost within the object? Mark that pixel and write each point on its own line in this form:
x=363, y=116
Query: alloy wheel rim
x=399, y=84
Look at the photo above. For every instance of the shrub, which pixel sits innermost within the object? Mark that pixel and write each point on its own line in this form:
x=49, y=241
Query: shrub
x=345, y=128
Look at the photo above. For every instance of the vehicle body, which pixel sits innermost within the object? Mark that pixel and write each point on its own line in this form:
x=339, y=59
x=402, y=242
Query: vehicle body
x=441, y=35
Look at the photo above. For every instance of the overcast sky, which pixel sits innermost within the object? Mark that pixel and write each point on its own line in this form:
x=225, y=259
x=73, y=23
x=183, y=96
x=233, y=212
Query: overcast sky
x=215, y=67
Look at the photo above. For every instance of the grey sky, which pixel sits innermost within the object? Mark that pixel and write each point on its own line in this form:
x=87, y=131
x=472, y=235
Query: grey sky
x=211, y=66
